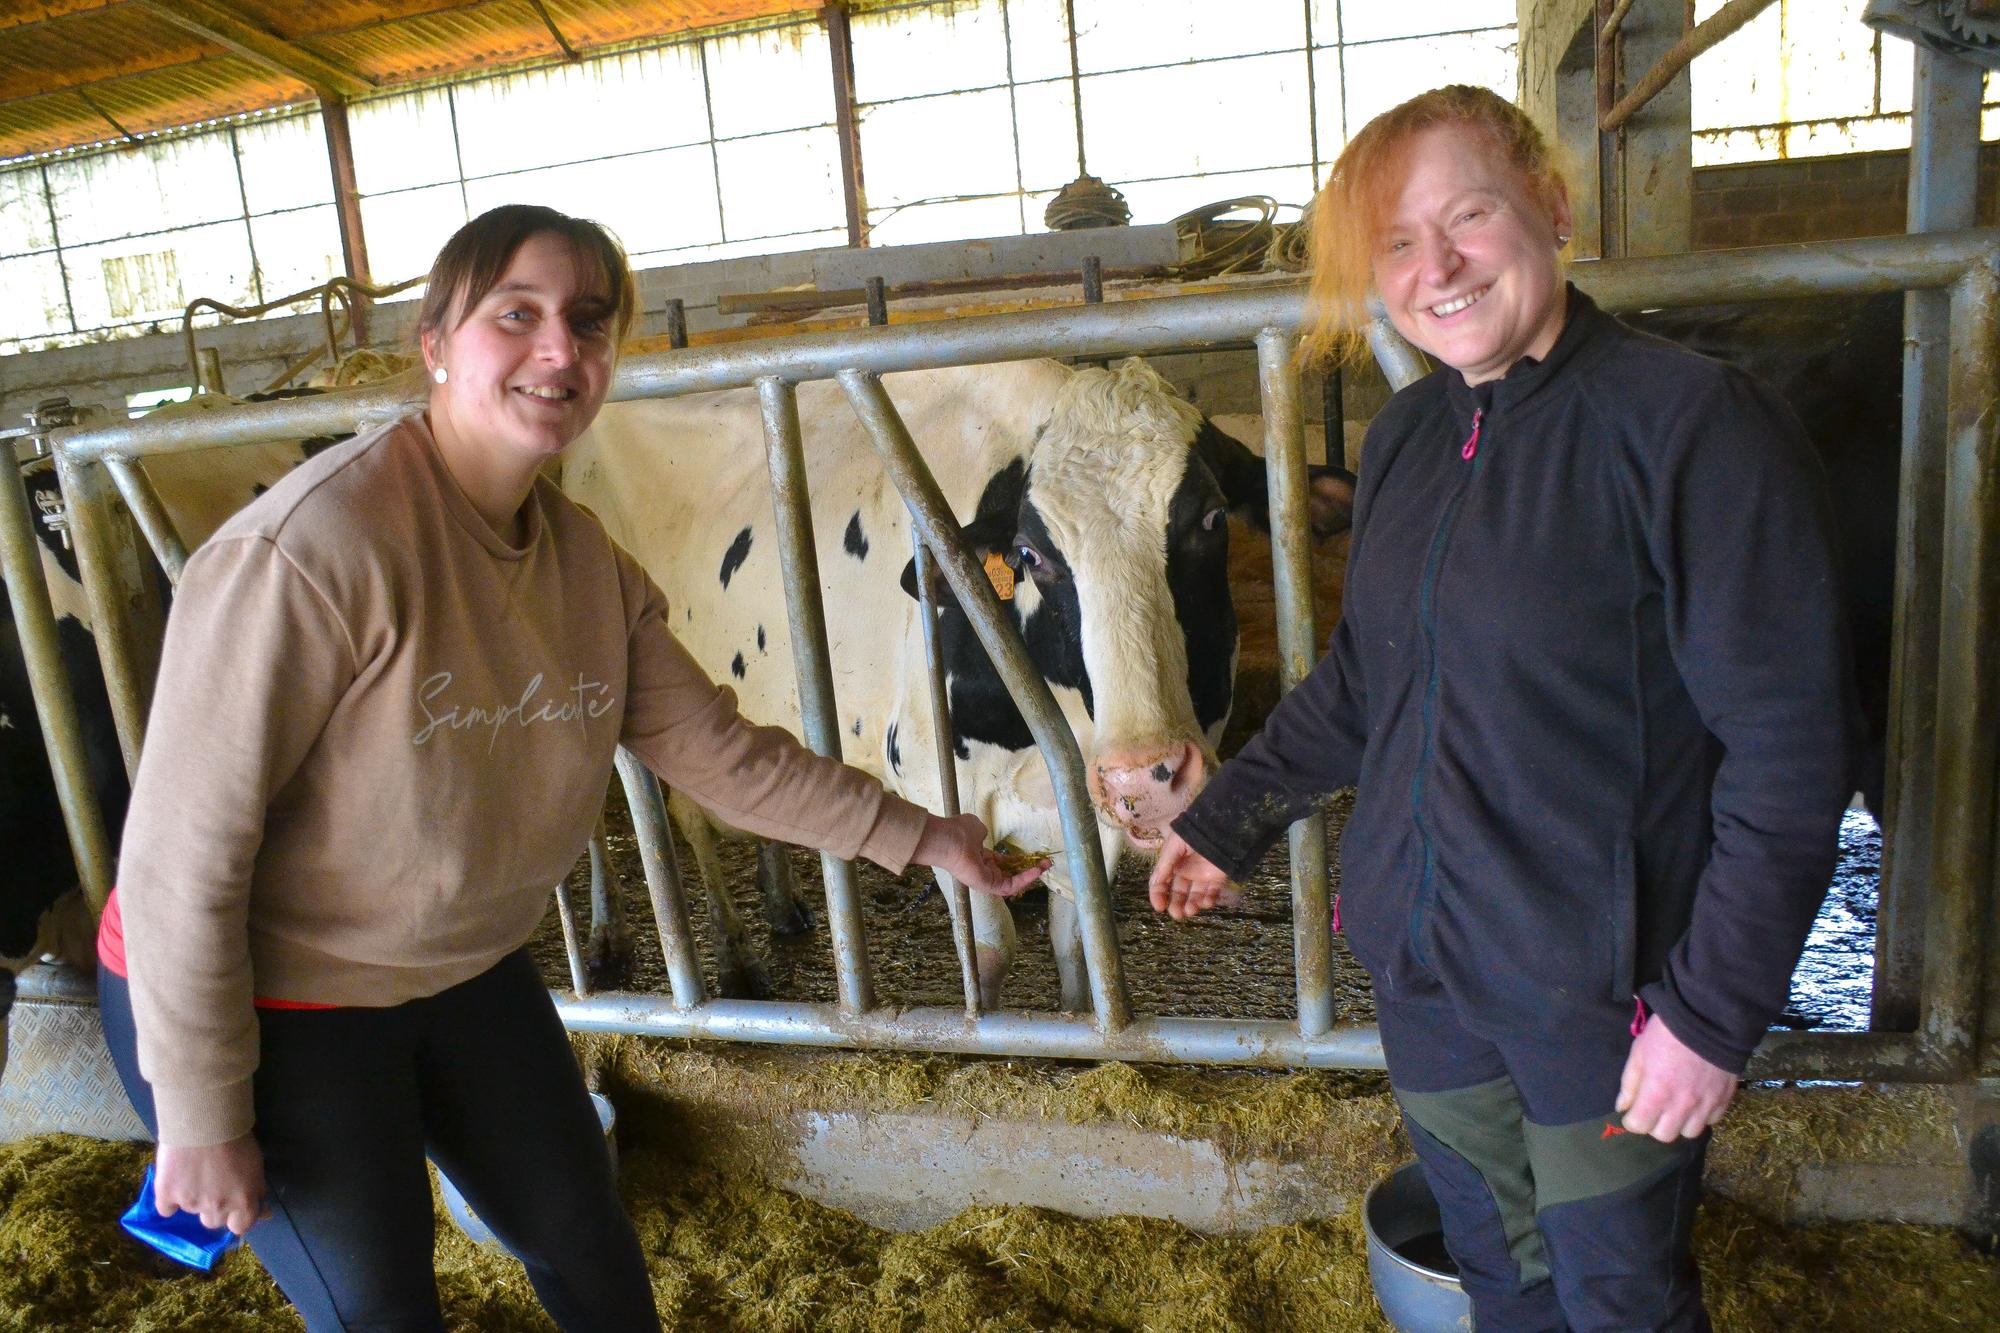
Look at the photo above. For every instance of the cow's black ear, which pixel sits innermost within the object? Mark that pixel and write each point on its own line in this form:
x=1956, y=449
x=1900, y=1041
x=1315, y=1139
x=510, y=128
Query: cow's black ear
x=1240, y=474
x=941, y=593
x=998, y=515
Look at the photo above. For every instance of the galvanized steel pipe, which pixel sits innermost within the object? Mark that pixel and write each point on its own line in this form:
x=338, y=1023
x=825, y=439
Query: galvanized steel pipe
x=947, y=762
x=934, y=520
x=663, y=880
x=112, y=587
x=151, y=515
x=798, y=558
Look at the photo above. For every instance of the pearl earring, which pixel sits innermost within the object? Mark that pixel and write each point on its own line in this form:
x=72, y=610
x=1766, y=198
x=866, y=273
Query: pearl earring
x=439, y=375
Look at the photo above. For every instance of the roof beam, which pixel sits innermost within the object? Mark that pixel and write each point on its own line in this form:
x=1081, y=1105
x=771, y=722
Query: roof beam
x=219, y=23
x=569, y=52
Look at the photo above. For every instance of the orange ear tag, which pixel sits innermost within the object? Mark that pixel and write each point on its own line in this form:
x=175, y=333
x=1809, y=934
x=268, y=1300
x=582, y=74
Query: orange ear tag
x=1000, y=575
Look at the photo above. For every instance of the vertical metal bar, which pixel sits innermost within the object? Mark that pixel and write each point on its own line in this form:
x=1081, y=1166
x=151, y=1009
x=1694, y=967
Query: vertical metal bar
x=791, y=504
x=1111, y=1006
x=210, y=362
x=1968, y=702
x=347, y=207
x=579, y=977
x=1333, y=415
x=1402, y=364
x=846, y=124
x=125, y=615
x=151, y=515
x=677, y=323
x=663, y=879
x=1291, y=579
x=1610, y=143
x=947, y=762
x=1944, y=173
x=878, y=303
x=1093, y=280
x=55, y=708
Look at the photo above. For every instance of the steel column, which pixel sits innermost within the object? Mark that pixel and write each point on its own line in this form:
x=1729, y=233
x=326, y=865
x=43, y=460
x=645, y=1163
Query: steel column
x=1944, y=174
x=1292, y=588
x=55, y=708
x=1402, y=364
x=663, y=880
x=929, y=511
x=1968, y=687
x=579, y=976
x=947, y=762
x=819, y=716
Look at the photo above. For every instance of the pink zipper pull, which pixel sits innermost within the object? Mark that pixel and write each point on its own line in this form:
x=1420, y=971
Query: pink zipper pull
x=1336, y=914
x=1472, y=441
x=1638, y=1015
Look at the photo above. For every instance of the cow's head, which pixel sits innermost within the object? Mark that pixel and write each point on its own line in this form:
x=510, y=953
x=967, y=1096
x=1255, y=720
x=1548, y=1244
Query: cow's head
x=1115, y=529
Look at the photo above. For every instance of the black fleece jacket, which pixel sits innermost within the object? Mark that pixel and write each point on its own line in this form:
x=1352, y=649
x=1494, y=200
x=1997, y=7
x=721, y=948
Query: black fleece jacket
x=1592, y=681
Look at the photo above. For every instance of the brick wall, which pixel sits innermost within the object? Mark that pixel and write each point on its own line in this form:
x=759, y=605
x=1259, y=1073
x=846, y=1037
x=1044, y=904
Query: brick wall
x=1818, y=199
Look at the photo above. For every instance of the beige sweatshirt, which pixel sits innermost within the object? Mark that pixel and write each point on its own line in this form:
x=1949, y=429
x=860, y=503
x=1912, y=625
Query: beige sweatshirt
x=381, y=736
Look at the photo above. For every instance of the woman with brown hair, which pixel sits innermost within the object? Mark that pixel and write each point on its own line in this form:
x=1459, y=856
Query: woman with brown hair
x=390, y=695
x=1590, y=681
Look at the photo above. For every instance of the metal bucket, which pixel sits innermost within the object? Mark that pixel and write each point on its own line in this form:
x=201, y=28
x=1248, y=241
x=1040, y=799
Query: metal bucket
x=468, y=1221
x=1416, y=1283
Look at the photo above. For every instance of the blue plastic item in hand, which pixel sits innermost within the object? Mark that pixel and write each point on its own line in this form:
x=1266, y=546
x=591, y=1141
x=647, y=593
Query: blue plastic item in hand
x=181, y=1236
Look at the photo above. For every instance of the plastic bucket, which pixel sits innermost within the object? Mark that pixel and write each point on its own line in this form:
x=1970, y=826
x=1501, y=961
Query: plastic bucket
x=1416, y=1284
x=468, y=1221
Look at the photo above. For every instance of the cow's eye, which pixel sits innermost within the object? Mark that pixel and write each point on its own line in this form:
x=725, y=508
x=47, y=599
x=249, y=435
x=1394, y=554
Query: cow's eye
x=1027, y=557
x=1214, y=518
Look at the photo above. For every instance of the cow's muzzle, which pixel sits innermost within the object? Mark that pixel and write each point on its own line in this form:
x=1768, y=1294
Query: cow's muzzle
x=1141, y=790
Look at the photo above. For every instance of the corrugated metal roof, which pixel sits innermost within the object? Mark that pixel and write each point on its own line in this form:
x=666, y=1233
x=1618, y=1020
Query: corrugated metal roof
x=75, y=72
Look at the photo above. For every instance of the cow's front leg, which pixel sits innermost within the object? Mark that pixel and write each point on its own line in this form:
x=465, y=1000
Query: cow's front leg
x=992, y=941
x=607, y=960
x=739, y=973
x=784, y=905
x=1067, y=940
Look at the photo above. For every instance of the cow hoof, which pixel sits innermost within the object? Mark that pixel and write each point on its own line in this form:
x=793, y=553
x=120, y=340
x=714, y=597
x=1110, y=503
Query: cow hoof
x=751, y=981
x=798, y=920
x=607, y=963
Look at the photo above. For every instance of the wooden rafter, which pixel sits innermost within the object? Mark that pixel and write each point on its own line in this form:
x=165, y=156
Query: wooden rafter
x=219, y=23
x=569, y=52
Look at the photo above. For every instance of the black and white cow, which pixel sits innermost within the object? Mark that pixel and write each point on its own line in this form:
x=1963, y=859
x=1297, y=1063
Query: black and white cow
x=1105, y=493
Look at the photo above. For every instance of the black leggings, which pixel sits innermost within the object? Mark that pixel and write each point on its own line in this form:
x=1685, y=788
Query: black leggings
x=350, y=1101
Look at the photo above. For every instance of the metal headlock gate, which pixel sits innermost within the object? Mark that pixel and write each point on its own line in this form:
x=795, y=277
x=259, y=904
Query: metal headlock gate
x=1949, y=559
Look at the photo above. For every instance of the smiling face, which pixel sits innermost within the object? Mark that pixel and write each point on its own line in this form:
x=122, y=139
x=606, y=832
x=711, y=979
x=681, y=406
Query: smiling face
x=527, y=366
x=1466, y=255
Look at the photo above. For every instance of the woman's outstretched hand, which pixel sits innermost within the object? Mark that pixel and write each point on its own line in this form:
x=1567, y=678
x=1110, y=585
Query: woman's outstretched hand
x=1185, y=883
x=958, y=847
x=221, y=1183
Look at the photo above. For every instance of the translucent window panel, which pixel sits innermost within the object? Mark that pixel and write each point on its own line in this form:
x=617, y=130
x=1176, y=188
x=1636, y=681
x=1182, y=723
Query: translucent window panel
x=31, y=297
x=154, y=277
x=1038, y=38
x=1221, y=116
x=1126, y=34
x=1164, y=200
x=1827, y=61
x=162, y=185
x=1385, y=74
x=285, y=163
x=1718, y=148
x=936, y=147
x=406, y=230
x=910, y=52
x=1740, y=80
x=1374, y=20
x=778, y=184
x=1046, y=120
x=652, y=201
x=762, y=245
x=24, y=212
x=961, y=219
x=1329, y=105
x=1898, y=76
x=299, y=249
x=1866, y=134
x=777, y=79
x=401, y=142
x=596, y=108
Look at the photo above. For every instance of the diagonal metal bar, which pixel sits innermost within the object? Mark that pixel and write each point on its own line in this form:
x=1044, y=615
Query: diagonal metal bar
x=931, y=513
x=663, y=880
x=947, y=762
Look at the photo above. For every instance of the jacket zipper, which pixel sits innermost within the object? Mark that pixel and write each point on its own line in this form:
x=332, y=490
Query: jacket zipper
x=1427, y=621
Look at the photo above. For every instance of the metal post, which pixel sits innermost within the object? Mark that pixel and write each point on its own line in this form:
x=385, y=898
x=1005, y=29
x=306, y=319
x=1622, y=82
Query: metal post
x=947, y=762
x=1402, y=364
x=929, y=511
x=55, y=708
x=663, y=880
x=819, y=716
x=878, y=303
x=347, y=207
x=1968, y=689
x=151, y=516
x=579, y=975
x=846, y=125
x=1291, y=579
x=677, y=323
x=1944, y=174
x=125, y=614
x=1093, y=280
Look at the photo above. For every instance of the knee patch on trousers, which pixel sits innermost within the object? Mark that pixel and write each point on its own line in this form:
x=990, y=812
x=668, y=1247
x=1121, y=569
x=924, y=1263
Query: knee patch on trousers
x=1592, y=1158
x=1483, y=1124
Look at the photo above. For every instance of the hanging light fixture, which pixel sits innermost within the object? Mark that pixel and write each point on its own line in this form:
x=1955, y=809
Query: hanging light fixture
x=1086, y=201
